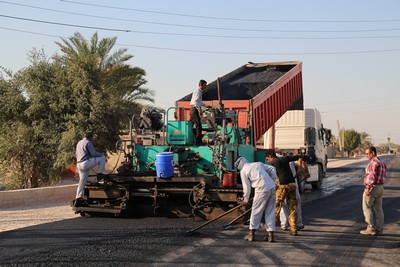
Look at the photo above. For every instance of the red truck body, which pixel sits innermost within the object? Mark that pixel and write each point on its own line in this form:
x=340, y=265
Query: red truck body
x=267, y=90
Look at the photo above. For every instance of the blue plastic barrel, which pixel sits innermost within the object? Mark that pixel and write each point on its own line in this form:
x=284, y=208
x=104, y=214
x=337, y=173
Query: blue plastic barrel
x=165, y=164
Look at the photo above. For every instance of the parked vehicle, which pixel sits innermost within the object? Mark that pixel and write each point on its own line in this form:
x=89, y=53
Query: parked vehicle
x=302, y=132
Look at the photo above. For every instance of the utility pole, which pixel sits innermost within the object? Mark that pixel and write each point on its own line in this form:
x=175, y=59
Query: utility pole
x=341, y=140
x=389, y=142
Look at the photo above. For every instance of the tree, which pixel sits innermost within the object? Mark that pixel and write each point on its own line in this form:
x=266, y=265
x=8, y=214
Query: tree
x=54, y=101
x=352, y=140
x=365, y=141
x=105, y=90
x=12, y=132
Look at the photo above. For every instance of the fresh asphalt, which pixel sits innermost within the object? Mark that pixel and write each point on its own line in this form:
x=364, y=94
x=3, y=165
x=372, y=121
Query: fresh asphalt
x=332, y=218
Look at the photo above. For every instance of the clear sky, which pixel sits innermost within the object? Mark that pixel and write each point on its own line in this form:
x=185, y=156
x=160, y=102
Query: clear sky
x=350, y=49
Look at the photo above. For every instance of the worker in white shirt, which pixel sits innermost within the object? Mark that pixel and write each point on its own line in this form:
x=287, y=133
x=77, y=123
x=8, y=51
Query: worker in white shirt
x=195, y=110
x=262, y=178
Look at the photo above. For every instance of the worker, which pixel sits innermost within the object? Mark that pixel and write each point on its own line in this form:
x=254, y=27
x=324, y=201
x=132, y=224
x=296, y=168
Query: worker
x=286, y=187
x=302, y=173
x=195, y=110
x=375, y=175
x=261, y=177
x=87, y=158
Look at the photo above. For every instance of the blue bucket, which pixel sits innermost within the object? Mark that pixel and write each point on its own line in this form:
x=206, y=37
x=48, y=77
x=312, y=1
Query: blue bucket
x=165, y=164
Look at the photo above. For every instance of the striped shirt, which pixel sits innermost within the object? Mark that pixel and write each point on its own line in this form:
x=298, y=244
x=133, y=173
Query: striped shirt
x=375, y=173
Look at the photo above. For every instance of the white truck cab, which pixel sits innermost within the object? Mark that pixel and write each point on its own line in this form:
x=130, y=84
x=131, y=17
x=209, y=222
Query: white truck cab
x=302, y=132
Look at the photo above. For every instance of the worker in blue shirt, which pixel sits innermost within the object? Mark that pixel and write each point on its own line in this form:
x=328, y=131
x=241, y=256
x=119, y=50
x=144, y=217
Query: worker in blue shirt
x=87, y=158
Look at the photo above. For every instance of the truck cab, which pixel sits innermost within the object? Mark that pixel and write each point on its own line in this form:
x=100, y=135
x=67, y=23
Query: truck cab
x=302, y=132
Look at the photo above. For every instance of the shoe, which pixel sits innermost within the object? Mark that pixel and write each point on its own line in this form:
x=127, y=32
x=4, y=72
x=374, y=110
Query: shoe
x=284, y=228
x=270, y=237
x=78, y=203
x=301, y=227
x=368, y=231
x=104, y=177
x=293, y=232
x=91, y=181
x=378, y=232
x=250, y=236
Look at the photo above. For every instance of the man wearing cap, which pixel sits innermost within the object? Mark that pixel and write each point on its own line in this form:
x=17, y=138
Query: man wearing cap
x=195, y=110
x=261, y=177
x=87, y=158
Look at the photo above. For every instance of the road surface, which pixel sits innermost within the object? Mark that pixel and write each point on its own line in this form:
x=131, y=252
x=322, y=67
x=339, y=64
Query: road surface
x=332, y=216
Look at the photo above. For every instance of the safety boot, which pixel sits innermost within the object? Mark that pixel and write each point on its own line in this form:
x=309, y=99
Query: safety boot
x=368, y=231
x=377, y=232
x=301, y=227
x=78, y=202
x=104, y=177
x=293, y=231
x=270, y=237
x=250, y=235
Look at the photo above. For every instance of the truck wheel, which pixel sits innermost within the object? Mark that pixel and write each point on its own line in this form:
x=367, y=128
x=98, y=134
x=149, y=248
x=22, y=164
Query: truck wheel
x=317, y=185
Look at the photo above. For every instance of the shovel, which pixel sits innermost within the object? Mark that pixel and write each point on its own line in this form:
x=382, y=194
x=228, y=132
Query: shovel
x=220, y=216
x=229, y=225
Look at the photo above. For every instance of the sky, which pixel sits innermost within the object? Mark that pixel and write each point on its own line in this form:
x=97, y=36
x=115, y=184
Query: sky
x=350, y=50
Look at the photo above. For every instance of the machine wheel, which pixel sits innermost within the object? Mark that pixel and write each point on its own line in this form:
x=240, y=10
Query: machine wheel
x=317, y=185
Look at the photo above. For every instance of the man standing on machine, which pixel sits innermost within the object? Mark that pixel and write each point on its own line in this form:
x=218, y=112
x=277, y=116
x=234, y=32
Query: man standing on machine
x=195, y=110
x=87, y=158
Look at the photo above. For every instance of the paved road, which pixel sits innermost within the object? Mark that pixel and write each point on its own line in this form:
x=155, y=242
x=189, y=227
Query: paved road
x=333, y=219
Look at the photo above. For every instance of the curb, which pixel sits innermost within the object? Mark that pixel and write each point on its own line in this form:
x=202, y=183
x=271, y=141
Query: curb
x=37, y=196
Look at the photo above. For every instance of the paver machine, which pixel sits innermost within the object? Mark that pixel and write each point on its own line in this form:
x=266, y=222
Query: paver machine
x=165, y=173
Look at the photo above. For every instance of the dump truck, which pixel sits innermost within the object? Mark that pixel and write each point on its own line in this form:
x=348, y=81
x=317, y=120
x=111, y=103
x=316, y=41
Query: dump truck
x=302, y=132
x=164, y=172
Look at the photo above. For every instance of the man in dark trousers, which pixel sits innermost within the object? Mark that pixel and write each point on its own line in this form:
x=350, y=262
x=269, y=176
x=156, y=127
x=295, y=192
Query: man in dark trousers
x=195, y=110
x=286, y=184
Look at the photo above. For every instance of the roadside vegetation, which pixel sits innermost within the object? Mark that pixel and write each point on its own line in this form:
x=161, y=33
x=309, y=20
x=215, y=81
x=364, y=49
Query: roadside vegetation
x=354, y=143
x=46, y=107
x=87, y=85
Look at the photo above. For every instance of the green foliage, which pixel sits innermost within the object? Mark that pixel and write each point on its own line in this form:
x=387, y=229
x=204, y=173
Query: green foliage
x=365, y=141
x=48, y=106
x=352, y=140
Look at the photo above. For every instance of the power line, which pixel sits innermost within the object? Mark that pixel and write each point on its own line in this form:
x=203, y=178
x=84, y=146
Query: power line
x=64, y=24
x=205, y=35
x=230, y=18
x=264, y=37
x=204, y=27
x=262, y=53
x=30, y=32
x=224, y=52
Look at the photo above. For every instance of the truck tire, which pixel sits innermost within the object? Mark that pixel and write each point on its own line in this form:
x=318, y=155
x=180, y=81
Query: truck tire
x=317, y=185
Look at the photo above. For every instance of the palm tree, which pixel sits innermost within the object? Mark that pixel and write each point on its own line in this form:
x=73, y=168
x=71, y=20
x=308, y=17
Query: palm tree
x=103, y=89
x=365, y=141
